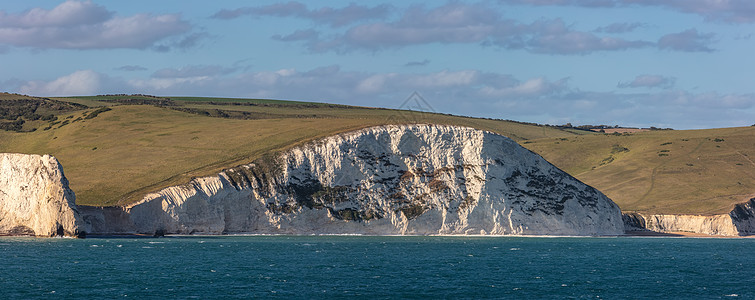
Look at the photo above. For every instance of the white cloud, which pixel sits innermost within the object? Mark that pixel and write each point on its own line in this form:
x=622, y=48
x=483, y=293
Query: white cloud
x=264, y=78
x=534, y=87
x=374, y=83
x=555, y=37
x=286, y=72
x=689, y=40
x=731, y=11
x=417, y=63
x=85, y=82
x=131, y=68
x=477, y=23
x=452, y=23
x=160, y=84
x=649, y=81
x=327, y=15
x=443, y=79
x=69, y=13
x=84, y=25
x=620, y=27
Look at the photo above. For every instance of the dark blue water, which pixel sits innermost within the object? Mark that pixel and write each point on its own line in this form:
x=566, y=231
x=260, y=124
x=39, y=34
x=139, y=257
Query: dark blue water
x=377, y=267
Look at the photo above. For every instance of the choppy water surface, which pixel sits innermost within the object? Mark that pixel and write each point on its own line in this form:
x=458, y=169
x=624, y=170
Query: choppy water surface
x=377, y=267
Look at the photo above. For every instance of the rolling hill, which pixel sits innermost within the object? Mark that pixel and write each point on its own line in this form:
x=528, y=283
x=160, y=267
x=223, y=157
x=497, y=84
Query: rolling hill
x=117, y=148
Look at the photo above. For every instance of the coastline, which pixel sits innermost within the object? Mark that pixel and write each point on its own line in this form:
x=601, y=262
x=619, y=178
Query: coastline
x=683, y=234
x=628, y=234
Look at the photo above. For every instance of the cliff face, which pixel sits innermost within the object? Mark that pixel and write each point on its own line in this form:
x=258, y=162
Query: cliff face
x=739, y=222
x=35, y=198
x=712, y=225
x=743, y=217
x=416, y=179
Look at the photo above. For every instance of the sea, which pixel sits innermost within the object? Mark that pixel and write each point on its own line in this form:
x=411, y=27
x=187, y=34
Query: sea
x=377, y=267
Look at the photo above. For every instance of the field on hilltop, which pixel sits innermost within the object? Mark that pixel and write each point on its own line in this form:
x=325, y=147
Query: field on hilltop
x=117, y=148
x=668, y=171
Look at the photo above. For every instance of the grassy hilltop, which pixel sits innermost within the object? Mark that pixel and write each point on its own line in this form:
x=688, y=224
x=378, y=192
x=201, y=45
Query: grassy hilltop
x=115, y=149
x=671, y=172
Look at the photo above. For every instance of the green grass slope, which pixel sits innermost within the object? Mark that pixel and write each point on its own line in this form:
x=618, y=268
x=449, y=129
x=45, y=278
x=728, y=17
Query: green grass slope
x=116, y=149
x=670, y=172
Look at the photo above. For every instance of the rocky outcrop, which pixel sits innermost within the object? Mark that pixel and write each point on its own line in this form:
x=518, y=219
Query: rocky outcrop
x=414, y=179
x=35, y=198
x=634, y=222
x=743, y=217
x=739, y=222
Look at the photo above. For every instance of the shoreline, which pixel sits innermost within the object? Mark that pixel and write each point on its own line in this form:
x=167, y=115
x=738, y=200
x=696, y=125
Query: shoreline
x=683, y=234
x=628, y=234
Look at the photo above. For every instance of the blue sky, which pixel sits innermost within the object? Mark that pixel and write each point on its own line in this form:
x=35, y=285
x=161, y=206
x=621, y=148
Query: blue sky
x=679, y=63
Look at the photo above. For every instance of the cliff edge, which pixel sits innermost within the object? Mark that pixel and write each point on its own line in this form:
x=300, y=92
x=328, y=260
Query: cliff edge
x=408, y=179
x=35, y=198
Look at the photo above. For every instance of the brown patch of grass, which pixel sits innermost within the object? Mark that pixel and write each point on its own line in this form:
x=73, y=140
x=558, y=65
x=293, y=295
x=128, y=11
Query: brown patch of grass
x=698, y=178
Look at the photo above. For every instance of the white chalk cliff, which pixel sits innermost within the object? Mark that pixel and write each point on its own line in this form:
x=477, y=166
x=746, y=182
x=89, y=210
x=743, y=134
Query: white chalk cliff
x=35, y=198
x=739, y=222
x=411, y=179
